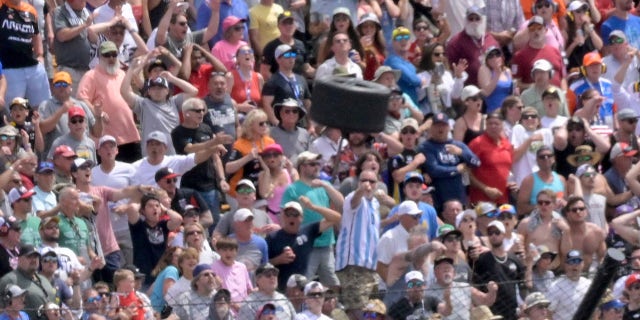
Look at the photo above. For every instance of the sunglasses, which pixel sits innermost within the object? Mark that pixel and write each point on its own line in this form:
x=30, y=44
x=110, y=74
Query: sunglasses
x=50, y=259
x=190, y=233
x=529, y=116
x=271, y=155
x=408, y=131
x=246, y=51
x=5, y=138
x=369, y=180
x=589, y=174
x=544, y=202
x=268, y=312
x=291, y=111
x=340, y=40
x=198, y=110
x=292, y=214
x=316, y=295
x=473, y=18
x=494, y=233
x=414, y=284
x=104, y=294
x=493, y=54
x=110, y=55
x=543, y=5
x=504, y=216
x=402, y=37
x=616, y=40
x=545, y=156
x=94, y=299
x=631, y=121
x=60, y=85
x=245, y=191
x=288, y=55
x=577, y=209
x=76, y=121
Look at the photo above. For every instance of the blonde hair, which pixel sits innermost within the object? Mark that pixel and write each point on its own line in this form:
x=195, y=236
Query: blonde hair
x=252, y=117
x=122, y=274
x=187, y=253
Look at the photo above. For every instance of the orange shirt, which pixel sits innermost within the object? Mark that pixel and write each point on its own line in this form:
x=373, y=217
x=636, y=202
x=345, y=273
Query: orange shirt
x=250, y=170
x=527, y=6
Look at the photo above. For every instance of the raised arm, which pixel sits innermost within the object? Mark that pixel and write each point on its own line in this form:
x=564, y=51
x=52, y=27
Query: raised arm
x=330, y=216
x=125, y=88
x=214, y=21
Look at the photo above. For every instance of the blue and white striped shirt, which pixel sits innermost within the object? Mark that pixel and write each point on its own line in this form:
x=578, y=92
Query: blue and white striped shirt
x=359, y=234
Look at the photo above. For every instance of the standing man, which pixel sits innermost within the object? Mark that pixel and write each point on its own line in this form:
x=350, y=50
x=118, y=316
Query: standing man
x=398, y=59
x=267, y=283
x=568, y=291
x=620, y=18
x=221, y=113
x=323, y=195
x=22, y=53
x=287, y=27
x=293, y=138
x=71, y=43
x=341, y=48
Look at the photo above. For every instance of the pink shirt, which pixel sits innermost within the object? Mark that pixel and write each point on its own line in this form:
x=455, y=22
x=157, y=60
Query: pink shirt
x=98, y=86
x=235, y=278
x=103, y=220
x=226, y=52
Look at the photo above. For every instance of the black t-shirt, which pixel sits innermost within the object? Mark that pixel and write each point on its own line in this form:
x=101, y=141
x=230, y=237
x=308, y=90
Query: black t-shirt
x=281, y=88
x=203, y=176
x=269, y=52
x=149, y=244
x=185, y=196
x=403, y=308
x=488, y=268
x=6, y=257
x=631, y=315
x=563, y=167
x=301, y=244
x=17, y=27
x=397, y=162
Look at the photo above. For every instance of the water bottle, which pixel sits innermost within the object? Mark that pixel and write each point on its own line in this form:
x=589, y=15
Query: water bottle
x=532, y=249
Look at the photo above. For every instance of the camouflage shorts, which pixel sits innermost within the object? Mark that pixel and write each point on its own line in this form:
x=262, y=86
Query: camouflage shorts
x=357, y=285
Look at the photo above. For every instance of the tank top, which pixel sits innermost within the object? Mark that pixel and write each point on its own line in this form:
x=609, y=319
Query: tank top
x=471, y=134
x=500, y=92
x=273, y=203
x=246, y=90
x=539, y=185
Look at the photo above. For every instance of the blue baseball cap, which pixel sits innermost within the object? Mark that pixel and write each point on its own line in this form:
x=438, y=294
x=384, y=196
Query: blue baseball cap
x=45, y=166
x=612, y=304
x=413, y=175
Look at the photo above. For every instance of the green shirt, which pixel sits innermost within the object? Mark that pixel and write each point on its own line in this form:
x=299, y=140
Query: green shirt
x=30, y=231
x=74, y=234
x=319, y=197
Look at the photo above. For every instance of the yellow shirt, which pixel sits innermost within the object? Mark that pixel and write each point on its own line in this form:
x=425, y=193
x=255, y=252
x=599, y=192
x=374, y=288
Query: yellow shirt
x=264, y=19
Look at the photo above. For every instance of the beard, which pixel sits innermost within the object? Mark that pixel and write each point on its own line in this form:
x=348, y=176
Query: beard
x=475, y=29
x=110, y=69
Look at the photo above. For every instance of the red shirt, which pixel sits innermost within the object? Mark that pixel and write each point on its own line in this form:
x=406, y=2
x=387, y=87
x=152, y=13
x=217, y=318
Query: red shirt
x=524, y=58
x=462, y=46
x=496, y=160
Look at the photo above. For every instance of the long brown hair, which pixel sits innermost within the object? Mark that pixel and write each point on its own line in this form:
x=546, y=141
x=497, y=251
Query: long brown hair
x=165, y=260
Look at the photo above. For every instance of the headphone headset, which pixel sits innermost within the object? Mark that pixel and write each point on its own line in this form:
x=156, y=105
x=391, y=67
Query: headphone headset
x=6, y=296
x=572, y=18
x=554, y=6
x=40, y=312
x=636, y=86
x=583, y=70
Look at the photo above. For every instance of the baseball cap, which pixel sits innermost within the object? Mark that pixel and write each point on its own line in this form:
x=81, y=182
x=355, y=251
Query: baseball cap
x=297, y=281
x=631, y=279
x=622, y=149
x=447, y=229
x=79, y=162
x=369, y=16
x=282, y=49
x=45, y=221
x=574, y=257
x=612, y=304
x=425, y=189
x=410, y=122
x=286, y=15
x=190, y=211
x=413, y=176
x=341, y=10
x=9, y=130
x=105, y=139
x=76, y=111
x=584, y=168
x=413, y=275
x=617, y=34
x=18, y=101
x=552, y=92
x=384, y=69
x=9, y=223
x=230, y=21
x=591, y=58
x=576, y=5
x=627, y=114
x=199, y=269
x=45, y=166
x=498, y=225
x=486, y=208
x=157, y=63
x=293, y=205
x=157, y=136
x=466, y=213
x=13, y=291
x=543, y=65
x=158, y=82
x=62, y=76
x=245, y=182
x=440, y=117
x=313, y=285
x=409, y=207
x=266, y=267
x=474, y=10
x=265, y=307
x=441, y=259
x=242, y=215
x=20, y=193
x=272, y=148
x=510, y=209
x=400, y=31
x=165, y=173
x=108, y=46
x=27, y=250
x=536, y=20
x=534, y=299
x=65, y=151
x=306, y=156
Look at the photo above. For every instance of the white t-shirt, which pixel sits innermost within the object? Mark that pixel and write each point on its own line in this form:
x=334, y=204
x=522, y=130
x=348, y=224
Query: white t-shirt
x=146, y=172
x=120, y=176
x=527, y=164
x=551, y=123
x=391, y=243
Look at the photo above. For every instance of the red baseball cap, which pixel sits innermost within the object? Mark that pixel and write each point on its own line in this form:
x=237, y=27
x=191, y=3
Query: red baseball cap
x=64, y=151
x=76, y=111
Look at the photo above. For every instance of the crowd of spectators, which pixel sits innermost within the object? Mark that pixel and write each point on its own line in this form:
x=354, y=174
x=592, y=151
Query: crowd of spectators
x=159, y=160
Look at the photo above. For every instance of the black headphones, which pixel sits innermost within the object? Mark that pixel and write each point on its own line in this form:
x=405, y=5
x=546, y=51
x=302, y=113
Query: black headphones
x=40, y=312
x=7, y=296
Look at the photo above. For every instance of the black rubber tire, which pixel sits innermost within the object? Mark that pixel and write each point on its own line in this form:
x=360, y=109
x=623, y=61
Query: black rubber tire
x=350, y=104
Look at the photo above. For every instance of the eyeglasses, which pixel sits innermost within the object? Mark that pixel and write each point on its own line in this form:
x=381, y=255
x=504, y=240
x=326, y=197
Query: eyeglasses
x=268, y=312
x=544, y=202
x=238, y=28
x=198, y=110
x=401, y=37
x=413, y=284
x=534, y=27
x=60, y=85
x=494, y=233
x=50, y=259
x=292, y=214
x=504, y=216
x=631, y=121
x=438, y=54
x=340, y=40
x=181, y=23
x=262, y=123
x=590, y=174
x=369, y=180
x=110, y=55
x=408, y=131
x=473, y=18
x=172, y=180
x=545, y=156
x=190, y=233
x=246, y=51
x=271, y=155
x=291, y=111
x=372, y=315
x=245, y=190
x=5, y=138
x=529, y=116
x=93, y=299
x=616, y=40
x=577, y=209
x=543, y=5
x=316, y=295
x=288, y=55
x=76, y=121
x=494, y=53
x=312, y=164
